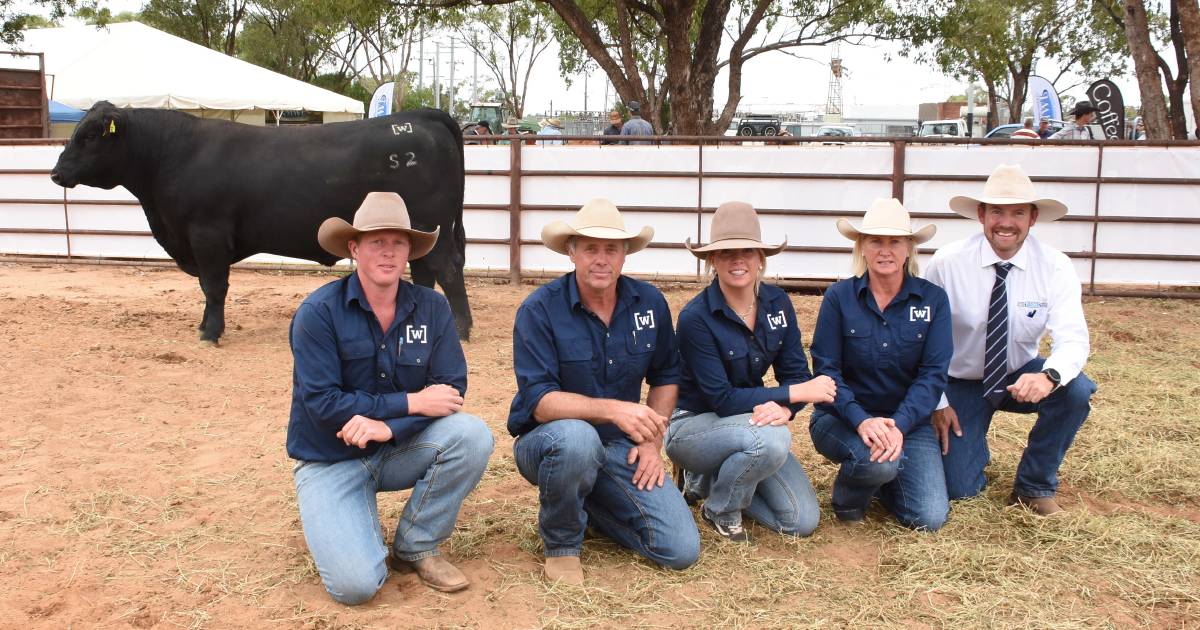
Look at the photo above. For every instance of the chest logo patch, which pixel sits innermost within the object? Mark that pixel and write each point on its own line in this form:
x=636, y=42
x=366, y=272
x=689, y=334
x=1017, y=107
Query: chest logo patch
x=642, y=321
x=416, y=334
x=922, y=314
x=776, y=320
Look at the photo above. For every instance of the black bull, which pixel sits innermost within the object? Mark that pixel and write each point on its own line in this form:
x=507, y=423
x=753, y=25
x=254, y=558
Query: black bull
x=216, y=192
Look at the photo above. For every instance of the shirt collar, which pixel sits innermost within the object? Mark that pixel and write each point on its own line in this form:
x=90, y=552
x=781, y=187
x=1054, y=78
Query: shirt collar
x=1020, y=260
x=909, y=287
x=404, y=299
x=715, y=300
x=625, y=291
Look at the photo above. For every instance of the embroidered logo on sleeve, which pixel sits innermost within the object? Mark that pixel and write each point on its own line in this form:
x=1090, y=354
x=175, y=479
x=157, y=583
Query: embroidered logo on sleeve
x=416, y=334
x=642, y=321
x=922, y=314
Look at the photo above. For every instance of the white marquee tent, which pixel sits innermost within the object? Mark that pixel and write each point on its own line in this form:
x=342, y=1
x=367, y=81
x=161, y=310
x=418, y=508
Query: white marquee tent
x=133, y=65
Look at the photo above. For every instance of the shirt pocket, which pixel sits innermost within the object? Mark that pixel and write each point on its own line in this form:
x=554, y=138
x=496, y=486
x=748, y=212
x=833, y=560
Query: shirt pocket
x=576, y=374
x=858, y=350
x=412, y=365
x=640, y=350
x=355, y=349
x=1028, y=324
x=735, y=359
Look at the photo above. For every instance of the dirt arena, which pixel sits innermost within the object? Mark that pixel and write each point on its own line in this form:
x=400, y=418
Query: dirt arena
x=143, y=483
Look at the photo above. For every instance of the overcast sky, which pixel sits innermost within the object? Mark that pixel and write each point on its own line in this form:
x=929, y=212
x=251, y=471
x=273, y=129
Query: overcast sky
x=772, y=81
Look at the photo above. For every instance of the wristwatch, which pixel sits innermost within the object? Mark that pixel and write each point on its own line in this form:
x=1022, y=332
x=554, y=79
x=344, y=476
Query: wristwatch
x=1054, y=376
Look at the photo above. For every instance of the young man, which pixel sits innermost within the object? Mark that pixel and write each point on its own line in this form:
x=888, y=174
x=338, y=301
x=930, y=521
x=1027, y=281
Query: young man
x=582, y=346
x=1007, y=290
x=1084, y=112
x=377, y=398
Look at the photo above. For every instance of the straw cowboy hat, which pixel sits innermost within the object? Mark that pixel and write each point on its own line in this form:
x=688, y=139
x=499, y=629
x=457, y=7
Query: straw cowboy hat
x=551, y=122
x=379, y=211
x=1006, y=185
x=598, y=218
x=886, y=217
x=735, y=226
x=511, y=123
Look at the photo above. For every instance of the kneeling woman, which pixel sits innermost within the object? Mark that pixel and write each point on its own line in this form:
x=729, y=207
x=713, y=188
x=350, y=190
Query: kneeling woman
x=884, y=336
x=730, y=432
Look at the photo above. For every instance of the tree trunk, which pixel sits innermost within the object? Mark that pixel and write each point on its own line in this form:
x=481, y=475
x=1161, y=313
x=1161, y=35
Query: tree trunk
x=1154, y=108
x=1189, y=21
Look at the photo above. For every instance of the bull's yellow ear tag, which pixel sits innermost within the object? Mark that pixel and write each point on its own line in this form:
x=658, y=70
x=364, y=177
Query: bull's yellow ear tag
x=112, y=126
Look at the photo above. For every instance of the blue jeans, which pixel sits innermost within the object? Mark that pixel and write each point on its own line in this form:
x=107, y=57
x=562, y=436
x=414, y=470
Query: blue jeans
x=1059, y=417
x=340, y=518
x=912, y=487
x=745, y=468
x=581, y=479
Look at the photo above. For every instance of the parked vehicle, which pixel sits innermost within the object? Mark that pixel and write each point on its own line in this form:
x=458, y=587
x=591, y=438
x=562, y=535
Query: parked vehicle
x=954, y=128
x=758, y=125
x=1004, y=131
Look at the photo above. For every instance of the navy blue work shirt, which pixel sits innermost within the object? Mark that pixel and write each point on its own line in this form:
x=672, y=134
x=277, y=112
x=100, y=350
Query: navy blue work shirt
x=559, y=345
x=724, y=361
x=889, y=364
x=346, y=365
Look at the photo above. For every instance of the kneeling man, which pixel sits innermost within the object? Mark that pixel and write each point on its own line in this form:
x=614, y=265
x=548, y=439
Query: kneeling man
x=1007, y=290
x=377, y=397
x=582, y=345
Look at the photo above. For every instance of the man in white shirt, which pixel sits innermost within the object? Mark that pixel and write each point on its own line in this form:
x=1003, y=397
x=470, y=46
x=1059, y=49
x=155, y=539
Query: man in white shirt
x=1007, y=290
x=1084, y=113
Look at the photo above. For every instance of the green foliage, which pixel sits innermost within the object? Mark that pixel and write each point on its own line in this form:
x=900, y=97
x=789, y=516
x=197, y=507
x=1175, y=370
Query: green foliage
x=210, y=23
x=15, y=16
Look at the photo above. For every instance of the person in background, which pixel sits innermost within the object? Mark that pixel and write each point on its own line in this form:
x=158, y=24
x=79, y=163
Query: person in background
x=636, y=125
x=1084, y=112
x=551, y=127
x=614, y=127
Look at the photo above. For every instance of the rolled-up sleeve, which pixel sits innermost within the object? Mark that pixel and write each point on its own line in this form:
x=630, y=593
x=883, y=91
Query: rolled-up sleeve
x=926, y=390
x=827, y=357
x=1069, y=345
x=535, y=362
x=318, y=375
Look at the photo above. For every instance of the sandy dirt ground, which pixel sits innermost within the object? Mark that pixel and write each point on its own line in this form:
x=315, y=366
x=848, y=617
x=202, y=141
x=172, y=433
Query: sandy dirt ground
x=143, y=480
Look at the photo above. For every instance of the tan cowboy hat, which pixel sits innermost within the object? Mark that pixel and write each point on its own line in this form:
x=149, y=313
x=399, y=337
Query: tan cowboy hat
x=1008, y=184
x=735, y=226
x=886, y=217
x=379, y=211
x=511, y=123
x=550, y=122
x=598, y=218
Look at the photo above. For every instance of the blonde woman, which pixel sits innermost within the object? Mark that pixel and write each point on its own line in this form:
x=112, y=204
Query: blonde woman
x=884, y=337
x=730, y=432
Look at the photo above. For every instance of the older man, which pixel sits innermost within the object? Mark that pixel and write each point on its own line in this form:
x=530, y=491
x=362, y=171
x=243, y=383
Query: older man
x=377, y=397
x=582, y=346
x=1007, y=290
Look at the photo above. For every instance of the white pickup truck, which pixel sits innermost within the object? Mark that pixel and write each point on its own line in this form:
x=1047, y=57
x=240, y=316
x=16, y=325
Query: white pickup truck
x=954, y=128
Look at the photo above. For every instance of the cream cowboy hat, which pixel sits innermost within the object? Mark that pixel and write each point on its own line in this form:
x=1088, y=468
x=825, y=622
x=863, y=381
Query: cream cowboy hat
x=379, y=211
x=886, y=217
x=735, y=226
x=1008, y=184
x=551, y=122
x=598, y=218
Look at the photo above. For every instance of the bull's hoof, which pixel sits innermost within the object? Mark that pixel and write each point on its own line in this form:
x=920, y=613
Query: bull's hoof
x=209, y=343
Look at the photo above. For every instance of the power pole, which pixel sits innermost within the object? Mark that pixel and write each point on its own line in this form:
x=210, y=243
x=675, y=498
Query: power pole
x=451, y=76
x=437, y=67
x=475, y=77
x=421, y=60
x=585, y=82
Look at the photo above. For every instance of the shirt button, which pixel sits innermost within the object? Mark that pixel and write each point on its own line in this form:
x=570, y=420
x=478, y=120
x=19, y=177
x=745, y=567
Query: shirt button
x=884, y=345
x=647, y=345
x=851, y=331
x=610, y=361
x=607, y=335
x=383, y=375
x=383, y=347
x=885, y=323
x=418, y=361
x=731, y=353
x=919, y=335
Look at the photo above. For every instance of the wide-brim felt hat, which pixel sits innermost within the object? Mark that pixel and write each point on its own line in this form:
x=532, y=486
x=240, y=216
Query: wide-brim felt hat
x=734, y=226
x=1084, y=107
x=1008, y=184
x=598, y=218
x=379, y=211
x=886, y=217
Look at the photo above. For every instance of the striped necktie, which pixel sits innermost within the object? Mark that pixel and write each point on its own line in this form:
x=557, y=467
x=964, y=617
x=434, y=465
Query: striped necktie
x=995, y=357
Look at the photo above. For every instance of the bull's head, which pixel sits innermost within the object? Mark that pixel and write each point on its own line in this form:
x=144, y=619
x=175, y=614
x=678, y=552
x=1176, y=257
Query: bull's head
x=96, y=151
